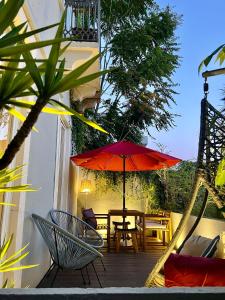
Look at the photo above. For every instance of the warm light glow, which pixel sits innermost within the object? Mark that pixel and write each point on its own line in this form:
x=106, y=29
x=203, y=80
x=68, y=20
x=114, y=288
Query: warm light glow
x=85, y=186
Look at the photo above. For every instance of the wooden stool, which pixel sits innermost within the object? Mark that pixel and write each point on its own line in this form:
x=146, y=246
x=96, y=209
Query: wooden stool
x=116, y=224
x=125, y=232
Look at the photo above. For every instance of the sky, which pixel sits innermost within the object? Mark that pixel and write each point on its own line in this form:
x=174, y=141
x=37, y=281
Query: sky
x=201, y=32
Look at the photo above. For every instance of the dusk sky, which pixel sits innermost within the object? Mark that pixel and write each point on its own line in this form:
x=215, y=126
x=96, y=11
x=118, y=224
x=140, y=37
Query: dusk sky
x=201, y=32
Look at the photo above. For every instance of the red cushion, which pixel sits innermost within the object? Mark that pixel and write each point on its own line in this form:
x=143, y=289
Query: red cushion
x=185, y=270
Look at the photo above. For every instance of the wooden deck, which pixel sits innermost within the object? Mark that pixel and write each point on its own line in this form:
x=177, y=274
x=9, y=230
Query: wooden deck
x=124, y=269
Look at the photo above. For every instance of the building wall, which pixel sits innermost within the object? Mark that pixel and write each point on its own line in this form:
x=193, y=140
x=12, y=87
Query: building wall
x=41, y=173
x=207, y=227
x=46, y=155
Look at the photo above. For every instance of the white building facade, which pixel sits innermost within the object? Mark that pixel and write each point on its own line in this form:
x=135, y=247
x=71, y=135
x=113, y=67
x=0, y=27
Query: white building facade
x=46, y=154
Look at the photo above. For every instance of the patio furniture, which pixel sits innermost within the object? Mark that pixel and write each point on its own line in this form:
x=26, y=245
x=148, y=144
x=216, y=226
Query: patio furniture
x=118, y=225
x=124, y=232
x=210, y=154
x=77, y=227
x=124, y=156
x=124, y=213
x=92, y=219
x=67, y=251
x=159, y=223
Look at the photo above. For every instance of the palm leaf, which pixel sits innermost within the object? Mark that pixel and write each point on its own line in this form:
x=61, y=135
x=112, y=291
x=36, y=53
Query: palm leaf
x=79, y=116
x=12, y=40
x=9, y=10
x=20, y=49
x=207, y=60
x=7, y=204
x=18, y=268
x=6, y=265
x=75, y=73
x=9, y=263
x=7, y=68
x=11, y=175
x=18, y=115
x=5, y=247
x=21, y=83
x=17, y=253
x=33, y=71
x=60, y=72
x=71, y=83
x=7, y=79
x=29, y=104
x=5, y=284
x=16, y=189
x=13, y=32
x=53, y=56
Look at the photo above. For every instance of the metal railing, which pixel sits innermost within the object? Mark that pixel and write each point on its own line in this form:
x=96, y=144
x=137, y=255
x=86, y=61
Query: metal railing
x=82, y=20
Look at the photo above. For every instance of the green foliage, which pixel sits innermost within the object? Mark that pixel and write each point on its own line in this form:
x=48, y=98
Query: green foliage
x=142, y=187
x=140, y=44
x=142, y=48
x=16, y=82
x=179, y=181
x=220, y=177
x=43, y=79
x=177, y=184
x=220, y=56
x=8, y=285
x=10, y=175
x=8, y=262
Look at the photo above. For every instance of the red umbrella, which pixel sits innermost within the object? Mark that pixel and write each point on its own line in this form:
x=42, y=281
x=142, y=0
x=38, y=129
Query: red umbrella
x=124, y=156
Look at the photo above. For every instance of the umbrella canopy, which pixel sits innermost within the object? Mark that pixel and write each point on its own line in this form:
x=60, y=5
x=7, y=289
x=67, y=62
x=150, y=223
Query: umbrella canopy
x=124, y=156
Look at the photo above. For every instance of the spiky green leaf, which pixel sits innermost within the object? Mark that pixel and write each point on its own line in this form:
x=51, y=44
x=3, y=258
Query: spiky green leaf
x=79, y=116
x=8, y=12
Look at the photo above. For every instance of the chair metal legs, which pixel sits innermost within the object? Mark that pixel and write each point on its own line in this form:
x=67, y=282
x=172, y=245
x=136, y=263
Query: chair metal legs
x=53, y=280
x=89, y=281
x=96, y=275
x=46, y=274
x=84, y=282
x=103, y=264
x=53, y=266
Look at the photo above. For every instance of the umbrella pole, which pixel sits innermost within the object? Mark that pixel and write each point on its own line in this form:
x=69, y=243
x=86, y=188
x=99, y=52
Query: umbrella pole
x=124, y=193
x=124, y=182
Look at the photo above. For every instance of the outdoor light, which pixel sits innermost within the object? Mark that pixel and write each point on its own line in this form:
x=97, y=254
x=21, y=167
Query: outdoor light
x=85, y=186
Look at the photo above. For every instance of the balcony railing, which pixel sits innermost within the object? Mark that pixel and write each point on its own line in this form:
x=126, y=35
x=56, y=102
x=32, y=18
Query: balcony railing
x=82, y=20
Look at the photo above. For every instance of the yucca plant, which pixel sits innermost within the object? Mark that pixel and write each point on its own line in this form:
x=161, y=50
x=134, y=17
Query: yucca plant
x=220, y=176
x=40, y=78
x=10, y=175
x=9, y=263
x=22, y=75
x=218, y=53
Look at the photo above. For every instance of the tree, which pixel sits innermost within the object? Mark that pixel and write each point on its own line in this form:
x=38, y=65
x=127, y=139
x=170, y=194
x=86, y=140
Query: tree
x=139, y=43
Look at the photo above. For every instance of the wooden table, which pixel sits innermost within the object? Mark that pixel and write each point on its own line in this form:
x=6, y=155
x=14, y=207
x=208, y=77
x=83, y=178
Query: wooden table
x=124, y=214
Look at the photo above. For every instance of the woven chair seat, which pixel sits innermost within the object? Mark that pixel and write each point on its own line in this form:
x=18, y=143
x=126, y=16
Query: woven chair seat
x=67, y=251
x=77, y=227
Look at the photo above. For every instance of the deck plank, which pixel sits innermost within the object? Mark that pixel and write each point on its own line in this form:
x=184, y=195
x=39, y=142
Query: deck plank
x=124, y=269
